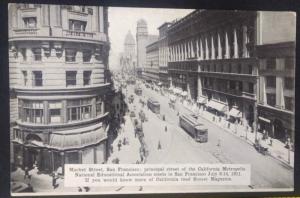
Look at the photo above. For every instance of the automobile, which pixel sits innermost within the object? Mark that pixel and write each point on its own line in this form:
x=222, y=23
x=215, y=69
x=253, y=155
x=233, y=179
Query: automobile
x=132, y=114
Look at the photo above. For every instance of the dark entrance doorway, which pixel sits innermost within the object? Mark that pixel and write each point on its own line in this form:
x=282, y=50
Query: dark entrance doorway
x=279, y=132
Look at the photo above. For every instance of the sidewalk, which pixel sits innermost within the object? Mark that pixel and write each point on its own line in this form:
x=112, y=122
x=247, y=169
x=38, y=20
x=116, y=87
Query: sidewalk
x=128, y=153
x=277, y=150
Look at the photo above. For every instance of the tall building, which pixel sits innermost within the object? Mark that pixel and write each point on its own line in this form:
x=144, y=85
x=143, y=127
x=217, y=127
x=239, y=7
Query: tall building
x=215, y=63
x=276, y=54
x=151, y=70
x=128, y=57
x=59, y=80
x=218, y=58
x=142, y=40
x=163, y=54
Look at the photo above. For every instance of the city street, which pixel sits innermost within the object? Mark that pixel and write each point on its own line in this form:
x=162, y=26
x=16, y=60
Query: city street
x=178, y=147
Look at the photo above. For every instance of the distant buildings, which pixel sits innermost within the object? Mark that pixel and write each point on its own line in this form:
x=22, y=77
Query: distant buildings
x=142, y=40
x=59, y=80
x=128, y=57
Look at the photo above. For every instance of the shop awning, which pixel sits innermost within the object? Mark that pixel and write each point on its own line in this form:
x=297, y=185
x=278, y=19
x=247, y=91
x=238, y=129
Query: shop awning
x=216, y=105
x=184, y=93
x=264, y=119
x=172, y=98
x=65, y=140
x=235, y=113
x=201, y=100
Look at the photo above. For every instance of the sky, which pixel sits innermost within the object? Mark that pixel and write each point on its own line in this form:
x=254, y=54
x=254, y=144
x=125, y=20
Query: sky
x=121, y=20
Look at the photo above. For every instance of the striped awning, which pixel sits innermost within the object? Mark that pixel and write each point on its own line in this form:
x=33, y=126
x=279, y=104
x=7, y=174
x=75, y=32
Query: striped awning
x=216, y=105
x=235, y=113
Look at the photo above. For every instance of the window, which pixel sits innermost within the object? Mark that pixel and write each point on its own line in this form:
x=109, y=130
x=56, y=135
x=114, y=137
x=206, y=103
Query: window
x=86, y=56
x=239, y=68
x=29, y=22
x=37, y=54
x=24, y=54
x=98, y=105
x=229, y=68
x=71, y=78
x=17, y=134
x=231, y=84
x=271, y=63
x=37, y=78
x=90, y=11
x=71, y=55
x=77, y=25
x=87, y=77
x=240, y=86
x=215, y=68
x=251, y=87
x=249, y=69
x=271, y=99
x=221, y=68
x=25, y=77
x=33, y=112
x=55, y=112
x=289, y=63
x=79, y=109
x=289, y=103
x=288, y=83
x=271, y=81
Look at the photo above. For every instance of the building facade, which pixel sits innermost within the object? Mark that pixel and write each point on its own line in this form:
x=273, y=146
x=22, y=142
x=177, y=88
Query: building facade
x=276, y=54
x=212, y=59
x=151, y=71
x=58, y=60
x=163, y=54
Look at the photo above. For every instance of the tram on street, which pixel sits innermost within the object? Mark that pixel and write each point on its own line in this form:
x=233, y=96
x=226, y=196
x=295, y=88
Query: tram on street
x=138, y=91
x=197, y=130
x=153, y=105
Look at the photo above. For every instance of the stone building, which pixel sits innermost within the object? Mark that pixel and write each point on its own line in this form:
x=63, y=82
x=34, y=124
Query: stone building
x=212, y=59
x=142, y=40
x=59, y=77
x=218, y=56
x=276, y=54
x=151, y=70
x=163, y=54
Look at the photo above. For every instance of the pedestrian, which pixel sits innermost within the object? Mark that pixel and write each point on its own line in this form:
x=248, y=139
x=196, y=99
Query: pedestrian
x=124, y=141
x=26, y=172
x=219, y=143
x=79, y=189
x=53, y=181
x=119, y=145
x=158, y=146
x=166, y=128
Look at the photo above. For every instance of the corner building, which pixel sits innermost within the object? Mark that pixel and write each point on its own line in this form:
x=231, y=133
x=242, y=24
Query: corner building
x=211, y=57
x=58, y=61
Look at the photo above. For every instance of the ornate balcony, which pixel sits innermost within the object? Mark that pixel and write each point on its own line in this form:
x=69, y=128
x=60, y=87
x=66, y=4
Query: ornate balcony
x=26, y=32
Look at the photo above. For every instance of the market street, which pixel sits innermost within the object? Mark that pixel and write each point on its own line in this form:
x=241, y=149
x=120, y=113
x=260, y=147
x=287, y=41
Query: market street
x=179, y=147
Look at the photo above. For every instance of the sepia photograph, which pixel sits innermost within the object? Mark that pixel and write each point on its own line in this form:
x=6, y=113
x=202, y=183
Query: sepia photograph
x=158, y=89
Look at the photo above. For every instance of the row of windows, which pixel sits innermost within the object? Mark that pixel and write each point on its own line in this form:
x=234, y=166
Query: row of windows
x=288, y=82
x=288, y=101
x=288, y=63
x=227, y=85
x=215, y=68
x=71, y=78
x=79, y=109
x=70, y=55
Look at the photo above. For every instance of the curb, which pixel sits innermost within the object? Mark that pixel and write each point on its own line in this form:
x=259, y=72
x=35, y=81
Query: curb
x=247, y=141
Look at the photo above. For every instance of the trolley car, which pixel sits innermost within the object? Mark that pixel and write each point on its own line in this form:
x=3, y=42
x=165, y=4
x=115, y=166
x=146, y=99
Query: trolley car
x=153, y=105
x=197, y=130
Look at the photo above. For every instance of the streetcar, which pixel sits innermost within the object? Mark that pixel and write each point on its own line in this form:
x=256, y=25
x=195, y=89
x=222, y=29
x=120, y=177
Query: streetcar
x=153, y=105
x=138, y=91
x=197, y=130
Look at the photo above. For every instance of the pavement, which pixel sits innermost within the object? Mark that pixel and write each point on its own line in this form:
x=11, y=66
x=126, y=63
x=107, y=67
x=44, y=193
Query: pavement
x=133, y=146
x=277, y=149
